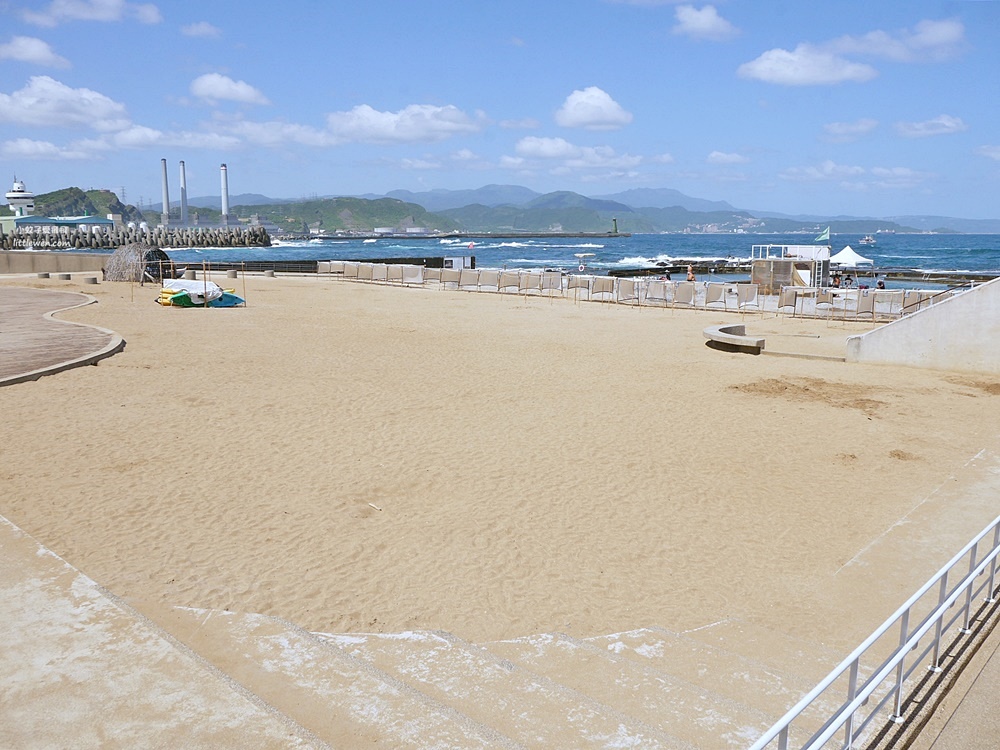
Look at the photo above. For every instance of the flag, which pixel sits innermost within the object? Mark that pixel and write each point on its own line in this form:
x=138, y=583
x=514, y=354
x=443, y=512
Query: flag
x=824, y=237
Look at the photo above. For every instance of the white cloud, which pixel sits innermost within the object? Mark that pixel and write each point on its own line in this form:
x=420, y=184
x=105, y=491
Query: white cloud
x=842, y=132
x=28, y=49
x=572, y=157
x=929, y=41
x=25, y=148
x=413, y=124
x=201, y=28
x=662, y=159
x=47, y=102
x=278, y=133
x=719, y=157
x=419, y=164
x=592, y=109
x=703, y=24
x=940, y=125
x=61, y=11
x=806, y=65
x=213, y=86
x=897, y=177
x=534, y=147
x=827, y=170
x=991, y=152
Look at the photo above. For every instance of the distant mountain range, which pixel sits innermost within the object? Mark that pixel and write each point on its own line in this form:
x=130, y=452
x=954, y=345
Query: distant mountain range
x=513, y=208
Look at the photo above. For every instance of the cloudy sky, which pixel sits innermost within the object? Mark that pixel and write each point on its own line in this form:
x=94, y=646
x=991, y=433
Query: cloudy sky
x=863, y=108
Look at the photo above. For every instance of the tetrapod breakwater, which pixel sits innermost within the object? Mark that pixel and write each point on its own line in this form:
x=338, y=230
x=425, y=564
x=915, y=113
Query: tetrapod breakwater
x=100, y=238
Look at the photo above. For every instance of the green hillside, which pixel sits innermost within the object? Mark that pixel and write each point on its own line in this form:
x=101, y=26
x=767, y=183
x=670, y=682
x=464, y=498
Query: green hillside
x=348, y=214
x=75, y=202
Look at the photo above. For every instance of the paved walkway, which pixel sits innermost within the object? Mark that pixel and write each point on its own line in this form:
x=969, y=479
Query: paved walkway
x=33, y=343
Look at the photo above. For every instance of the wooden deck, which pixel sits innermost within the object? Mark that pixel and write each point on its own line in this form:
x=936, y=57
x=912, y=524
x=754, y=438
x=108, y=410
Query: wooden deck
x=32, y=343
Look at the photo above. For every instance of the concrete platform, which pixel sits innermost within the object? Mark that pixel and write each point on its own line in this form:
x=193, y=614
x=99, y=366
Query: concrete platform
x=33, y=343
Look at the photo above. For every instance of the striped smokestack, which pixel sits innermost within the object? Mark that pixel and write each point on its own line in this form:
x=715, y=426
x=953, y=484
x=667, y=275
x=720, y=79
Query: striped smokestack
x=165, y=212
x=225, y=196
x=184, y=197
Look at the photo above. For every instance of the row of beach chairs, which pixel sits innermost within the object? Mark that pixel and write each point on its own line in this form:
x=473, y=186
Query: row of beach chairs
x=743, y=297
x=857, y=303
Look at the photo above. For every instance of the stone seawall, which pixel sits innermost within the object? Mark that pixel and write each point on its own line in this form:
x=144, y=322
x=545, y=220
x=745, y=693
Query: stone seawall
x=100, y=239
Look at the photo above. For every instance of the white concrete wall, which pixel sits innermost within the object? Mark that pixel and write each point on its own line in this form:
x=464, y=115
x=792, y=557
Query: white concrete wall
x=960, y=334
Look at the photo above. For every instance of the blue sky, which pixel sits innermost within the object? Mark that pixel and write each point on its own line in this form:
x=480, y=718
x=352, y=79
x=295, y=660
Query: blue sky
x=877, y=108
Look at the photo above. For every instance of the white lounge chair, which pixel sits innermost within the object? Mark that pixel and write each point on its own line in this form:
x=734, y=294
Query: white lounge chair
x=602, y=288
x=685, y=293
x=413, y=275
x=788, y=299
x=747, y=296
x=365, y=271
x=489, y=281
x=510, y=281
x=468, y=279
x=551, y=282
x=627, y=292
x=578, y=283
x=715, y=293
x=450, y=276
x=866, y=304
x=380, y=272
x=394, y=274
x=657, y=291
x=351, y=271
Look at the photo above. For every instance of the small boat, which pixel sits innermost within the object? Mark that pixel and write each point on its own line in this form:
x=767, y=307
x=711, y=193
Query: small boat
x=867, y=240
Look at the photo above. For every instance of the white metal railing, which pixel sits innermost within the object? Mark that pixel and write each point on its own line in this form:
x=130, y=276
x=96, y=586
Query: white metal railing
x=936, y=622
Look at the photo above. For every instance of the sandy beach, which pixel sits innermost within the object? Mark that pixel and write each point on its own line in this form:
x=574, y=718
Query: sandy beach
x=364, y=458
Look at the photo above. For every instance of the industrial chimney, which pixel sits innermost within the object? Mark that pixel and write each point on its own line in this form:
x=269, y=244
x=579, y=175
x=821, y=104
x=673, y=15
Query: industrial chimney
x=165, y=212
x=184, y=197
x=225, y=196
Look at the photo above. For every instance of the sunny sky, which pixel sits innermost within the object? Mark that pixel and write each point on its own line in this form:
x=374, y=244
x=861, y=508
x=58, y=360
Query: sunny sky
x=876, y=108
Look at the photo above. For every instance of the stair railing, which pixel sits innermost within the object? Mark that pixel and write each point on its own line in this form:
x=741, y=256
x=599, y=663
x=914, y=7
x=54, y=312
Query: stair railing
x=894, y=666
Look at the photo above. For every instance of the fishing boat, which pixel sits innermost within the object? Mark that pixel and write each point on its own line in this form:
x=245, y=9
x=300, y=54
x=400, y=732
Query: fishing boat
x=867, y=240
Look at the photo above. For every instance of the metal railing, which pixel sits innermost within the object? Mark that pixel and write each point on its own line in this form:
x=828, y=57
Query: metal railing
x=894, y=667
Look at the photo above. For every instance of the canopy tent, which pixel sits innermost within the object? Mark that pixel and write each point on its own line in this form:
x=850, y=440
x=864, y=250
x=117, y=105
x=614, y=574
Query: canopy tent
x=847, y=257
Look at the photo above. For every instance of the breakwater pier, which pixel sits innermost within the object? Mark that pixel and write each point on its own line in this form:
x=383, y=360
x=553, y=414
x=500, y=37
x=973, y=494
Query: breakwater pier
x=96, y=237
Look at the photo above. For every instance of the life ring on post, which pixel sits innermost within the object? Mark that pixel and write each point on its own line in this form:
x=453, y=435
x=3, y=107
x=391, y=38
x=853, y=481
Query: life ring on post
x=582, y=267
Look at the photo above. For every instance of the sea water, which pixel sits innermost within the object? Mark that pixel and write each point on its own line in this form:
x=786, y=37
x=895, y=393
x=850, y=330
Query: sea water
x=920, y=252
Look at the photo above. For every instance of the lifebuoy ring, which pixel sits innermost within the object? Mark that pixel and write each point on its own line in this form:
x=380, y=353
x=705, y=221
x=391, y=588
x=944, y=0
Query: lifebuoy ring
x=583, y=267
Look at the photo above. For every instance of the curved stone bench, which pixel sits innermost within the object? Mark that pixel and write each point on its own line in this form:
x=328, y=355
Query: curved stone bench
x=733, y=338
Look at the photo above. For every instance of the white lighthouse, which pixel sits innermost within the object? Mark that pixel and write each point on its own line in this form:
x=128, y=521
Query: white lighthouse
x=21, y=202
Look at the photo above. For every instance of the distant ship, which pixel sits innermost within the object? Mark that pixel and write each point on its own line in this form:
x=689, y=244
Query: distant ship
x=867, y=240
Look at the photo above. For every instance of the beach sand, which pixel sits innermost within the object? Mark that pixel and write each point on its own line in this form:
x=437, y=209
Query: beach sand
x=364, y=458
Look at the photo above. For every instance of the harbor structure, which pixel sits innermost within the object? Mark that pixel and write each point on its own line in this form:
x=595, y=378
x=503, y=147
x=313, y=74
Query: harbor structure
x=225, y=195
x=165, y=210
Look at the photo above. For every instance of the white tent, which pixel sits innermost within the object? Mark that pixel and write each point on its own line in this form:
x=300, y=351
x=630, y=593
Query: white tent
x=847, y=257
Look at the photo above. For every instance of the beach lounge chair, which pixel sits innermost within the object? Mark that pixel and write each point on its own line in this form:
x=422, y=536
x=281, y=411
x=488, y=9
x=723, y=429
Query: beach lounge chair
x=551, y=282
x=824, y=301
x=913, y=299
x=715, y=293
x=432, y=274
x=394, y=274
x=468, y=279
x=529, y=281
x=365, y=271
x=510, y=281
x=602, y=288
x=380, y=272
x=489, y=281
x=685, y=293
x=579, y=284
x=627, y=292
x=746, y=297
x=351, y=271
x=450, y=276
x=889, y=303
x=866, y=304
x=337, y=268
x=323, y=266
x=413, y=275
x=657, y=291
x=788, y=299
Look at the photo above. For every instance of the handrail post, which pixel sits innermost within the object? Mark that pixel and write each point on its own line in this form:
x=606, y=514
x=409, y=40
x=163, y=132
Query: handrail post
x=966, y=629
x=993, y=565
x=904, y=626
x=852, y=690
x=783, y=739
x=942, y=595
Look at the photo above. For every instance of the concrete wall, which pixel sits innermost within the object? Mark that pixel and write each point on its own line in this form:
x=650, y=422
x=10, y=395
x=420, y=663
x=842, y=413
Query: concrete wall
x=15, y=262
x=959, y=334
